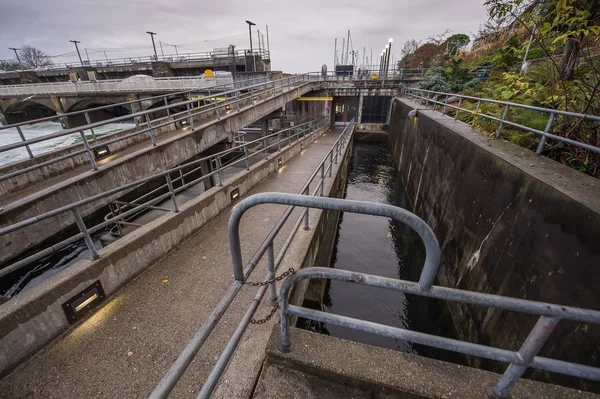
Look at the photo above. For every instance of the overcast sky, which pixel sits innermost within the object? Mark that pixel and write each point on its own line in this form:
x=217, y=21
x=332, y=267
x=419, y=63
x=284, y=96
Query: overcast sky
x=301, y=32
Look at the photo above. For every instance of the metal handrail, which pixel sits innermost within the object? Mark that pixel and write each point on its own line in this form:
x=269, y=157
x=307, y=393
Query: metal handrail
x=296, y=132
x=178, y=57
x=323, y=170
x=434, y=96
x=233, y=98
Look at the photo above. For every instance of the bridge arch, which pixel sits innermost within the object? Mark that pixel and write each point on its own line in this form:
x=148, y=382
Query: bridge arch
x=21, y=111
x=160, y=103
x=95, y=115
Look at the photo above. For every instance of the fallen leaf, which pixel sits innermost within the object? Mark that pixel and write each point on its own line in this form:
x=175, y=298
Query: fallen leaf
x=129, y=353
x=165, y=281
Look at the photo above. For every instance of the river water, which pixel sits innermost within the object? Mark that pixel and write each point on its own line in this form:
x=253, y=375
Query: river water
x=378, y=246
x=9, y=136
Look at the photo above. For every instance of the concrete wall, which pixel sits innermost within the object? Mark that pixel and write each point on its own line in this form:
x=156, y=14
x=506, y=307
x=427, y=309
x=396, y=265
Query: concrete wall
x=33, y=318
x=509, y=223
x=145, y=162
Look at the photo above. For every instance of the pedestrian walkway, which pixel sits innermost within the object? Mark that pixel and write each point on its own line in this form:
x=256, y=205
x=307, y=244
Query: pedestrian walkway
x=125, y=348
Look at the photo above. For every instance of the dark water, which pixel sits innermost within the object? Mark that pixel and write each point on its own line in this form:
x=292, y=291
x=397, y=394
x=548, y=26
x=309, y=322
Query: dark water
x=378, y=246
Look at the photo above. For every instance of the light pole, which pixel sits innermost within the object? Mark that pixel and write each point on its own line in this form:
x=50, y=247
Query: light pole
x=386, y=57
x=77, y=48
x=153, y=45
x=17, y=55
x=389, y=52
x=250, y=25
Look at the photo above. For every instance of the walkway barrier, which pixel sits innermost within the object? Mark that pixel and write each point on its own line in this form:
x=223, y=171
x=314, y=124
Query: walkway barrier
x=171, y=187
x=218, y=104
x=550, y=315
x=447, y=100
x=177, y=57
x=313, y=187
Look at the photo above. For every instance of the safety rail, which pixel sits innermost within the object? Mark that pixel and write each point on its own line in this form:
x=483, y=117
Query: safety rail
x=278, y=139
x=443, y=99
x=234, y=98
x=323, y=170
x=177, y=57
x=132, y=84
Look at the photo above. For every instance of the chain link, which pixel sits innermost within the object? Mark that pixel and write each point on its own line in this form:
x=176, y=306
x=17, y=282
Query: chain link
x=271, y=281
x=268, y=317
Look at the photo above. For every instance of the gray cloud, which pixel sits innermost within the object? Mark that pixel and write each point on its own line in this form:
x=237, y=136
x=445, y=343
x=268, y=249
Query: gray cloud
x=301, y=32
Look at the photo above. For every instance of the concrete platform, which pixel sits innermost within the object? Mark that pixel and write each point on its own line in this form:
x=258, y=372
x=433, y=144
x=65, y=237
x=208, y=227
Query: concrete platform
x=125, y=348
x=323, y=363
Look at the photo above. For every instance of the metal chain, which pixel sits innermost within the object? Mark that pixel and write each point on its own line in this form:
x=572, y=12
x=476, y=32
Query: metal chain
x=268, y=317
x=271, y=281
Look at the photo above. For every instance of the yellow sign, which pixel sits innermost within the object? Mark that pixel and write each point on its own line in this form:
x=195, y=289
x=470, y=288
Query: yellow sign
x=208, y=74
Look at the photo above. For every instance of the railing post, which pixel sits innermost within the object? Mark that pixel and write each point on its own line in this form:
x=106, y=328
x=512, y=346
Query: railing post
x=330, y=163
x=181, y=176
x=89, y=122
x=547, y=130
x=152, y=137
x=265, y=147
x=168, y=110
x=217, y=108
x=278, y=142
x=532, y=345
x=504, y=115
x=271, y=263
x=24, y=139
x=458, y=108
x=218, y=163
x=478, y=106
x=170, y=185
x=337, y=145
x=89, y=151
x=445, y=104
x=189, y=113
x=322, y=177
x=86, y=234
x=306, y=227
x=246, y=156
x=237, y=101
x=252, y=95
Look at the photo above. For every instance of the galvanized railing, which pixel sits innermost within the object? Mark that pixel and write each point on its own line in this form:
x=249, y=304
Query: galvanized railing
x=277, y=140
x=177, y=57
x=427, y=97
x=321, y=173
x=129, y=85
x=526, y=357
x=233, y=99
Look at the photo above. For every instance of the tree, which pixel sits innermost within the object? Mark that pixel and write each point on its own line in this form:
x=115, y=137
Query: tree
x=9, y=65
x=32, y=57
x=457, y=42
x=409, y=49
x=439, y=38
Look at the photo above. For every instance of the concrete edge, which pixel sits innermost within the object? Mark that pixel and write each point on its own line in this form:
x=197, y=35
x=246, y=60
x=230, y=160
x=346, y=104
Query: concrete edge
x=33, y=319
x=570, y=182
x=394, y=373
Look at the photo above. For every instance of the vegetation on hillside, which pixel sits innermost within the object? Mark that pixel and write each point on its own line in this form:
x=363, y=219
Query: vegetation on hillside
x=563, y=71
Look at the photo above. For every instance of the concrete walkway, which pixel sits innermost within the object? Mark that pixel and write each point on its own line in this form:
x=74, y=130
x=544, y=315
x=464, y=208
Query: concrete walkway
x=125, y=348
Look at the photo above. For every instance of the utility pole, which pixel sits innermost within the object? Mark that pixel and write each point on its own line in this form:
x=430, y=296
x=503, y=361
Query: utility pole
x=348, y=46
x=268, y=44
x=153, y=44
x=335, y=54
x=389, y=53
x=250, y=25
x=77, y=48
x=343, y=47
x=162, y=53
x=17, y=55
x=259, y=47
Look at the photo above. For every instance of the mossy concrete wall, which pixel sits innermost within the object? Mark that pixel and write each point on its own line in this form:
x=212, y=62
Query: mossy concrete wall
x=509, y=223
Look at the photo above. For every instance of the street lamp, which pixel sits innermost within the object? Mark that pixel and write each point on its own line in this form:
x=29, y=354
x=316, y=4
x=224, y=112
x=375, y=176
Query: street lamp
x=153, y=45
x=17, y=55
x=77, y=48
x=389, y=52
x=250, y=25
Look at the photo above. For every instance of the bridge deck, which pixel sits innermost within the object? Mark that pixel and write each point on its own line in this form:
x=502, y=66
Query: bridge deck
x=125, y=348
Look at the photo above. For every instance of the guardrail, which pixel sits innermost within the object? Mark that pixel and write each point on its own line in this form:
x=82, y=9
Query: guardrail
x=278, y=139
x=233, y=98
x=323, y=170
x=132, y=84
x=177, y=57
x=427, y=97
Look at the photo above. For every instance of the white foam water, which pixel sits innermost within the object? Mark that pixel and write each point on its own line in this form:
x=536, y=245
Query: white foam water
x=9, y=136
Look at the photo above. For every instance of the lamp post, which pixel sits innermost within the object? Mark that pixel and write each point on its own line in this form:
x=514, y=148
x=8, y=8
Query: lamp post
x=153, y=45
x=386, y=57
x=77, y=48
x=17, y=55
x=250, y=25
x=389, y=53
x=380, y=63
